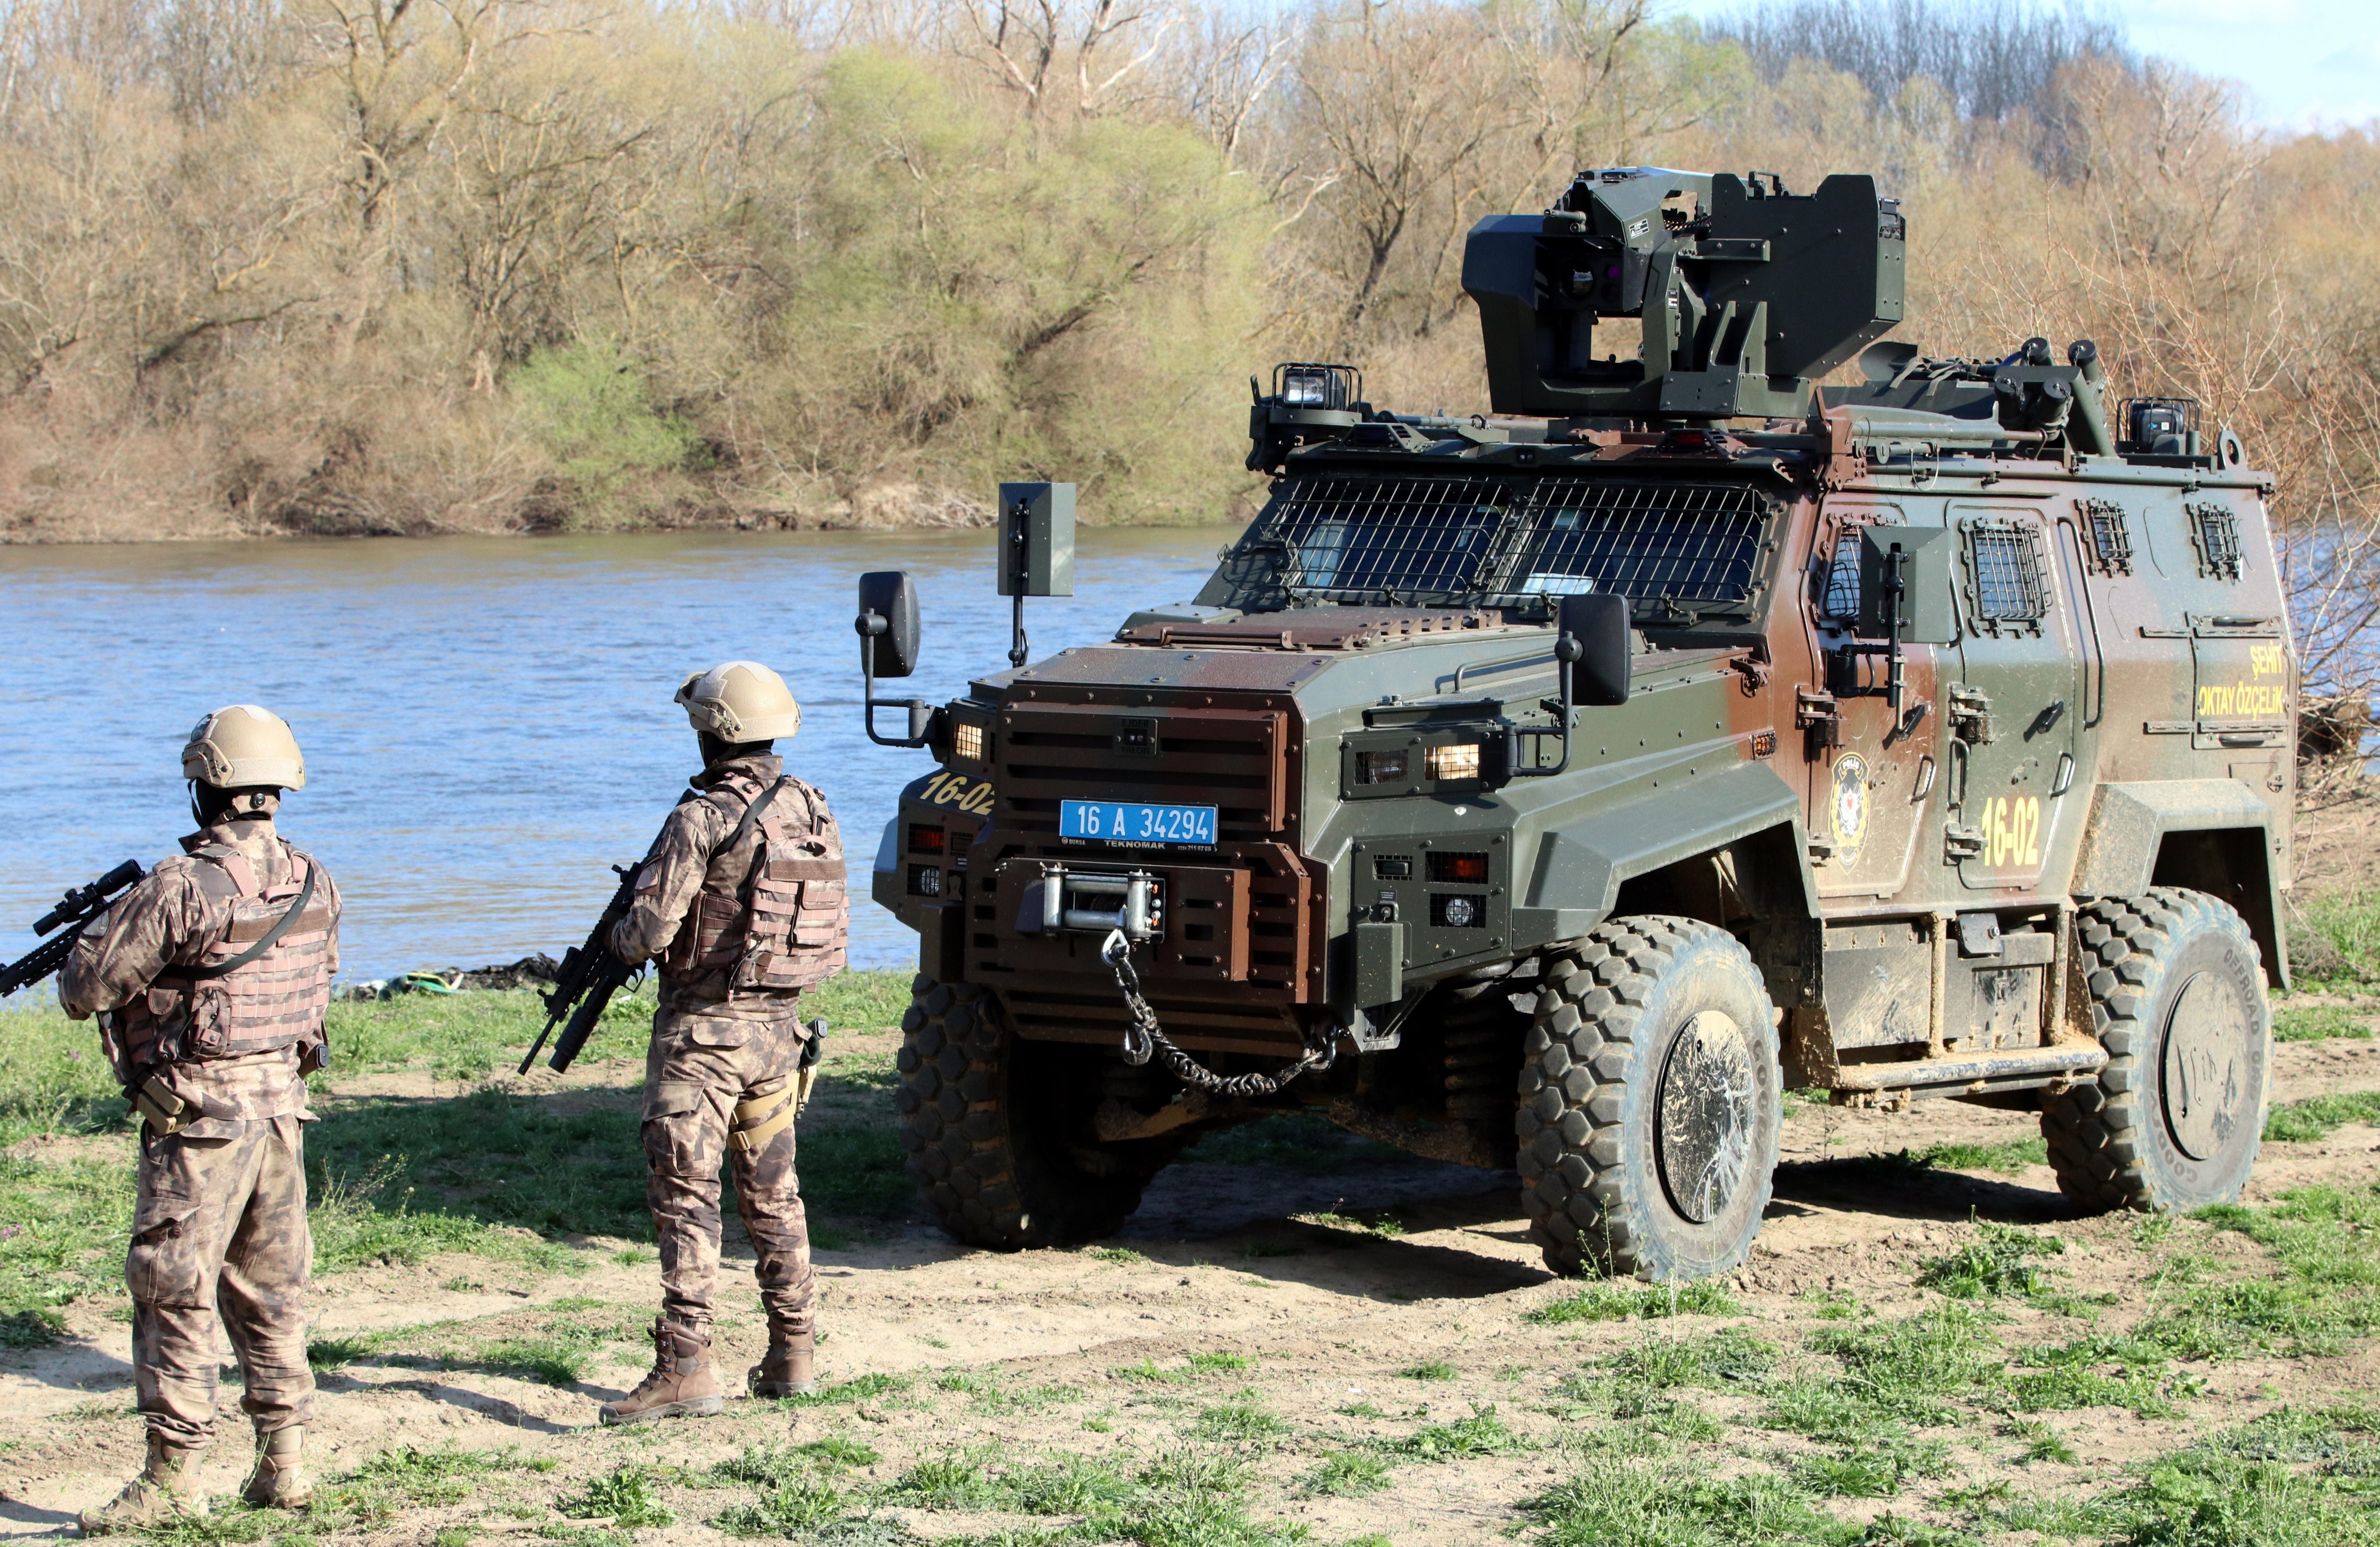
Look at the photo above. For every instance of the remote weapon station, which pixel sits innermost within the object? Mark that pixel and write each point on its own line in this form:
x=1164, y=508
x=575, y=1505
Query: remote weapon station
x=1555, y=788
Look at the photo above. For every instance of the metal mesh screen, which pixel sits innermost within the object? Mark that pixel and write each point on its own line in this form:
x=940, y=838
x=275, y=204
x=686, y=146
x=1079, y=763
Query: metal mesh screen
x=1678, y=542
x=2111, y=536
x=2008, y=576
x=2218, y=534
x=1843, y=594
x=1373, y=536
x=1363, y=538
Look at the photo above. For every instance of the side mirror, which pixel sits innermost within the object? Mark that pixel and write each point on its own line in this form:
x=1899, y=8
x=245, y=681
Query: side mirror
x=1037, y=540
x=1598, y=624
x=1905, y=573
x=888, y=622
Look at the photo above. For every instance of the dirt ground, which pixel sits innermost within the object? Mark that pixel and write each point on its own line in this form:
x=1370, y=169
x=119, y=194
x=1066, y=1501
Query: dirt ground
x=1086, y=1351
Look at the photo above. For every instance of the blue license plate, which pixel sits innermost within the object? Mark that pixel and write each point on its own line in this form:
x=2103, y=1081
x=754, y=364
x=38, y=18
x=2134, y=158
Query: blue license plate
x=1128, y=821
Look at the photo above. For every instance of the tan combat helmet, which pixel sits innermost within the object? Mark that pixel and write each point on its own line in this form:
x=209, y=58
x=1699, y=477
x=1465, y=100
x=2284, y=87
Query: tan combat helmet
x=741, y=700
x=241, y=746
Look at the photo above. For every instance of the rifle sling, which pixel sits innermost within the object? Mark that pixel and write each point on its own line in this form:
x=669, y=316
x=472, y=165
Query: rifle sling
x=271, y=937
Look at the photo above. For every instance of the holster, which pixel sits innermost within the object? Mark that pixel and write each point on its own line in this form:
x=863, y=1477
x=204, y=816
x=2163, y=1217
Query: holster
x=764, y=1117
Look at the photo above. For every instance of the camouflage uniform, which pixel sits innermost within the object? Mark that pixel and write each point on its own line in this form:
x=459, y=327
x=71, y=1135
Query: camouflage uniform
x=220, y=1220
x=727, y=1038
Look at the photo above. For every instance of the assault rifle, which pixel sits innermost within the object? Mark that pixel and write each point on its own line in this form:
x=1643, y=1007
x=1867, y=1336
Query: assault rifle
x=74, y=909
x=590, y=974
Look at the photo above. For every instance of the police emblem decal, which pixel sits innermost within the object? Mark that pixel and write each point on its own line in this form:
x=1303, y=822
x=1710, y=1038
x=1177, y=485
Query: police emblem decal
x=1848, y=805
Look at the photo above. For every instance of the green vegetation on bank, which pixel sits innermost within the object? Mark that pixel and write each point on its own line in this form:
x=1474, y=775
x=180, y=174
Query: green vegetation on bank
x=2335, y=939
x=496, y=1168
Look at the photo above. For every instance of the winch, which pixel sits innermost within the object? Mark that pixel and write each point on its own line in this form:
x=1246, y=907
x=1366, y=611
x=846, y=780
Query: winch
x=1094, y=902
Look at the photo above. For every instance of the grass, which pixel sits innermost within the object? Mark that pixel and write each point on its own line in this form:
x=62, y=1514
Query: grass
x=1483, y=1434
x=557, y=1351
x=1874, y=1468
x=1148, y=1372
x=1242, y=1421
x=2335, y=939
x=1623, y=1501
x=1997, y=1262
x=2007, y=1159
x=2313, y=1023
x=1348, y=1474
x=497, y=1174
x=1181, y=1498
x=2316, y=1116
x=624, y=1496
x=379, y=1491
x=1614, y=1300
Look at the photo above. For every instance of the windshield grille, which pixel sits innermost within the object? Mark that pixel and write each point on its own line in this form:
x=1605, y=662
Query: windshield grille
x=1364, y=536
x=1357, y=539
x=1652, y=541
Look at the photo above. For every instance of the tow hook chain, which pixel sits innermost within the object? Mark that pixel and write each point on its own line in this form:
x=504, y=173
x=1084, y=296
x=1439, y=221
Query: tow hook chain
x=1144, y=1038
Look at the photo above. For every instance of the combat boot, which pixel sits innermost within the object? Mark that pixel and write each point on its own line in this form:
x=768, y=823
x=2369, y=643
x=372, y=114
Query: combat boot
x=164, y=1490
x=682, y=1384
x=786, y=1372
x=280, y=1479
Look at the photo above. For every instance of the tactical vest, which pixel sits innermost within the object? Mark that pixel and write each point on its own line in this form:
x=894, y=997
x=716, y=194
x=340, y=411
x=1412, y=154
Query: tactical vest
x=773, y=912
x=235, y=1000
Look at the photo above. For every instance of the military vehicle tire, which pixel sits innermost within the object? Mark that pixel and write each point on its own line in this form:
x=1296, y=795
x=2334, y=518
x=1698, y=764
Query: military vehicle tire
x=2177, y=999
x=1651, y=1100
x=985, y=1116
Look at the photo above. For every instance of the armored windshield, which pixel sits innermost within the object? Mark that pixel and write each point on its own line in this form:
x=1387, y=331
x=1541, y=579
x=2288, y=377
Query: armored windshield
x=1670, y=546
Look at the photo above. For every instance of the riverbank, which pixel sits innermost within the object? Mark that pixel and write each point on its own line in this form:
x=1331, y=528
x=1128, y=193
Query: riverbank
x=875, y=508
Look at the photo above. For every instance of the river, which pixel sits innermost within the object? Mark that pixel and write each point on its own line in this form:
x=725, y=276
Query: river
x=487, y=723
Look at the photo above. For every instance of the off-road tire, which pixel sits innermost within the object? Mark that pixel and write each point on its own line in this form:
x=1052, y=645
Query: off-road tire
x=988, y=1129
x=1613, y=1011
x=2116, y=1142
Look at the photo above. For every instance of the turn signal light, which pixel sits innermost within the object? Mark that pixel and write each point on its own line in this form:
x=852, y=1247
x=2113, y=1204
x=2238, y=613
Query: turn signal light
x=1471, y=868
x=925, y=839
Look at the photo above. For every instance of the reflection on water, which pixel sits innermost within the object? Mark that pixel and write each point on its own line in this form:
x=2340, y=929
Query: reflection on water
x=487, y=722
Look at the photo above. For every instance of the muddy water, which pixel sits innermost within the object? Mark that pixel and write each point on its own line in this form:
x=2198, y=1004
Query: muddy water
x=487, y=723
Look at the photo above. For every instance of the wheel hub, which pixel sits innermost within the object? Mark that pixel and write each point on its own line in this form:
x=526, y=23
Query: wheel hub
x=2205, y=1087
x=1703, y=1135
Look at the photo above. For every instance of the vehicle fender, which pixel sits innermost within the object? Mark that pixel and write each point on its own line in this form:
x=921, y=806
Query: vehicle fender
x=1573, y=880
x=2126, y=851
x=884, y=881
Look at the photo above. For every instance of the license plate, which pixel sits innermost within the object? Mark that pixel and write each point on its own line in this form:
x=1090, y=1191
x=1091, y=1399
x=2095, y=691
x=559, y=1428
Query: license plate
x=1129, y=822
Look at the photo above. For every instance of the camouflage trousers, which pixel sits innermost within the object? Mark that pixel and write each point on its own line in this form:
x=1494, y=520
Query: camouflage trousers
x=220, y=1225
x=713, y=1087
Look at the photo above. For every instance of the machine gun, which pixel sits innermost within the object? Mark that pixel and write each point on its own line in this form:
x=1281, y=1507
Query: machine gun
x=590, y=974
x=78, y=907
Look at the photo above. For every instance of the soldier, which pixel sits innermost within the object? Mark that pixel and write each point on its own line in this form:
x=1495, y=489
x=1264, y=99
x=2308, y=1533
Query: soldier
x=211, y=977
x=742, y=898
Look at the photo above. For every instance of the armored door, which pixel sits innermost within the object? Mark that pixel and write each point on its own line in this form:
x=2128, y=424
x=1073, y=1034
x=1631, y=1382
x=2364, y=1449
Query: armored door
x=1872, y=772
x=2011, y=714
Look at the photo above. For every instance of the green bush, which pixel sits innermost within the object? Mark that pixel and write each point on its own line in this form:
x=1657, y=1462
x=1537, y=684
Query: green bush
x=590, y=406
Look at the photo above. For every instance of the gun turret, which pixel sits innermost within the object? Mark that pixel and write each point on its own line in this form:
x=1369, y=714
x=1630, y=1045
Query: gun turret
x=1747, y=293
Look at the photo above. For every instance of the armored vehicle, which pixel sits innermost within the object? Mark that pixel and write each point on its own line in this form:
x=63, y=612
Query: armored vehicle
x=1557, y=787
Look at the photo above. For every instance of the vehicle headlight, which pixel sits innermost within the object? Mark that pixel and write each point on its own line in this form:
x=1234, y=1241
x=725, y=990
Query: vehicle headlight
x=1384, y=767
x=1458, y=760
x=969, y=741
